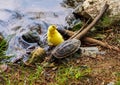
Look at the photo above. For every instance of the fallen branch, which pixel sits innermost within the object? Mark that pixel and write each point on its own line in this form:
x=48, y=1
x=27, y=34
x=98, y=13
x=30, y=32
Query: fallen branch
x=92, y=40
x=103, y=44
x=81, y=33
x=75, y=34
x=85, y=30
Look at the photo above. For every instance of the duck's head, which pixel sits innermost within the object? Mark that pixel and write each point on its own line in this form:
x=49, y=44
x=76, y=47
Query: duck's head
x=52, y=28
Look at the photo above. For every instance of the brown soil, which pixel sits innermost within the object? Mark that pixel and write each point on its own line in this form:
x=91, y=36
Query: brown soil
x=105, y=68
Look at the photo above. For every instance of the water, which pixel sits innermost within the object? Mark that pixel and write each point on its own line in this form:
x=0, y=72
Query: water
x=18, y=17
x=31, y=4
x=49, y=11
x=50, y=8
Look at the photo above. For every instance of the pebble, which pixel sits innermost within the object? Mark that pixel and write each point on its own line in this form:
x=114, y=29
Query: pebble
x=3, y=68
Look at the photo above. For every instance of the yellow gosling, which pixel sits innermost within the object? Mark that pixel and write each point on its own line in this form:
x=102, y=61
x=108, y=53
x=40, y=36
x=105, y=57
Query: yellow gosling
x=54, y=38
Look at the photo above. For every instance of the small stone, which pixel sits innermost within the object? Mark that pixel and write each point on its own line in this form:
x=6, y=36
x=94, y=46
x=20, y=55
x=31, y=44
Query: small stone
x=3, y=68
x=55, y=68
x=78, y=61
x=111, y=83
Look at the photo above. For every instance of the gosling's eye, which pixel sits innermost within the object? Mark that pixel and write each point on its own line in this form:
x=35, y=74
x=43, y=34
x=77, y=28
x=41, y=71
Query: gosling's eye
x=53, y=26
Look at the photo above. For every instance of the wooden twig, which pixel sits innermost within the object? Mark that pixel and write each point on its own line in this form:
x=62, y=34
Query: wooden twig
x=103, y=44
x=83, y=32
x=92, y=40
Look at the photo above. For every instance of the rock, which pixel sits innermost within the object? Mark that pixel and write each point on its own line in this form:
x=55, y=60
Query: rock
x=111, y=83
x=3, y=68
x=92, y=8
x=93, y=52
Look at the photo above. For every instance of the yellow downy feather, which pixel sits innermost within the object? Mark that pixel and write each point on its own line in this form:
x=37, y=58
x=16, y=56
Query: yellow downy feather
x=53, y=36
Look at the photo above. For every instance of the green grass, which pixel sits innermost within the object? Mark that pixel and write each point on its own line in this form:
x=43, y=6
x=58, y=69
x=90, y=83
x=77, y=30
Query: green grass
x=117, y=83
x=3, y=46
x=65, y=74
x=117, y=74
x=35, y=76
x=20, y=75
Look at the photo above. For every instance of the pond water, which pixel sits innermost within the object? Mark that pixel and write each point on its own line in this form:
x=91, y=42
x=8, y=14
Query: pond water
x=31, y=5
x=50, y=11
x=17, y=17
